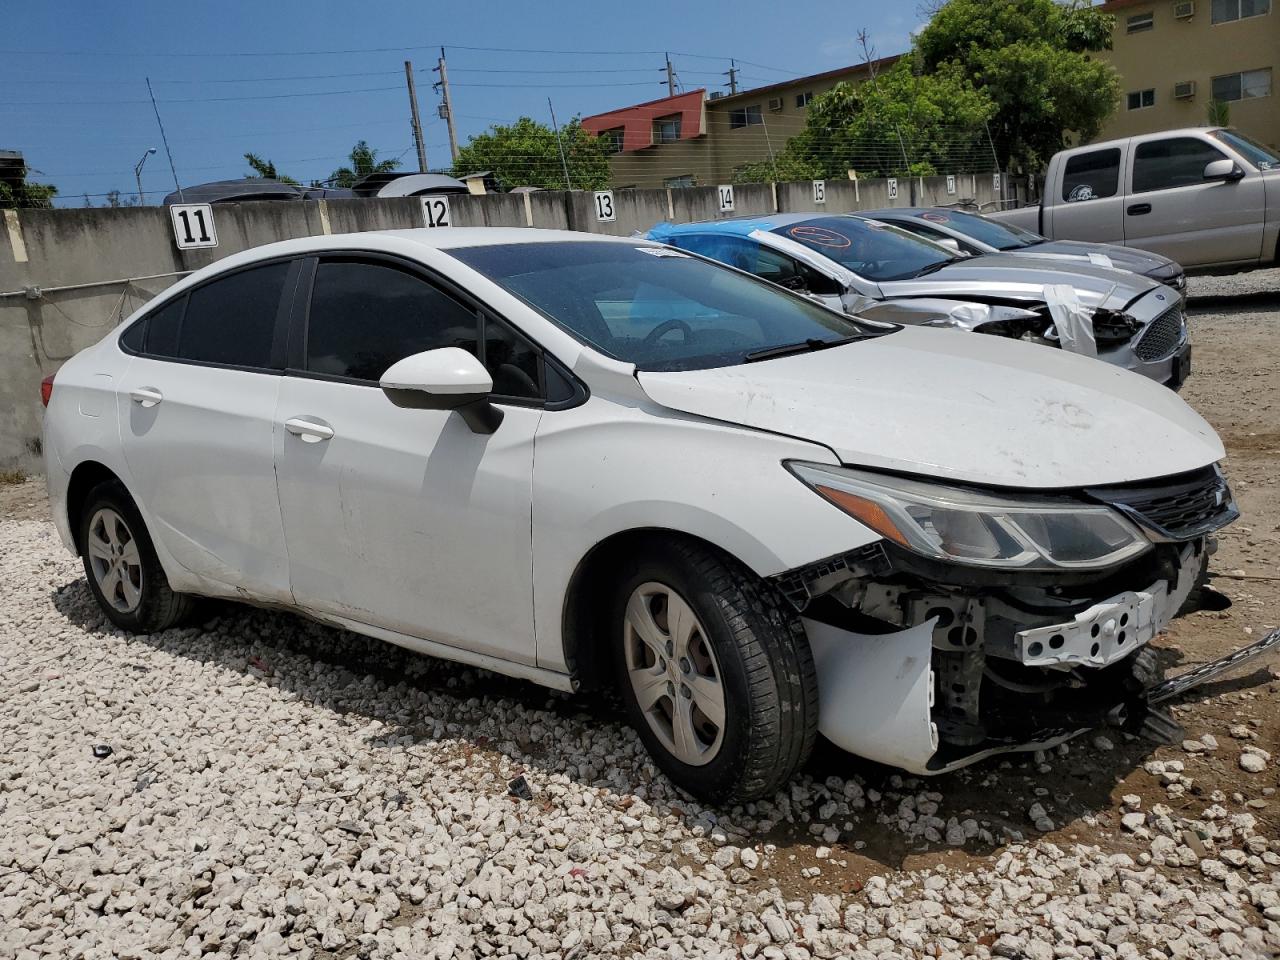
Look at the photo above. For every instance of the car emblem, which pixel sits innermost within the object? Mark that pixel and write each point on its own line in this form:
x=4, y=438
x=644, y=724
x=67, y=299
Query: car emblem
x=1159, y=296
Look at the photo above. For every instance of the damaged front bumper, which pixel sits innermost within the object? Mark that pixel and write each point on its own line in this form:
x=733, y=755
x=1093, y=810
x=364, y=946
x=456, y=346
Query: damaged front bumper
x=929, y=668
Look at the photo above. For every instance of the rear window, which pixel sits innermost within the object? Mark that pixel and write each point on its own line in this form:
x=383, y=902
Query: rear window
x=1092, y=176
x=232, y=320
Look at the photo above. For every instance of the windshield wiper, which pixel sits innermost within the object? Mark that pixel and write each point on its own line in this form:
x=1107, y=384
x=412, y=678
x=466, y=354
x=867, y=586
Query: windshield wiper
x=933, y=268
x=811, y=345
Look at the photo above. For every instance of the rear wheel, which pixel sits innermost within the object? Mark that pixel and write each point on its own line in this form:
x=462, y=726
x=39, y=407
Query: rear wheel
x=715, y=671
x=120, y=563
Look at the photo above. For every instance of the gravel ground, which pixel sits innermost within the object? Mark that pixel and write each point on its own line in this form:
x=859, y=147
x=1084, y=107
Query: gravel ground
x=276, y=788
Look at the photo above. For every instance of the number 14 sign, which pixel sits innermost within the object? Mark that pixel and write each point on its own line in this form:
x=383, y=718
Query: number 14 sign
x=193, y=225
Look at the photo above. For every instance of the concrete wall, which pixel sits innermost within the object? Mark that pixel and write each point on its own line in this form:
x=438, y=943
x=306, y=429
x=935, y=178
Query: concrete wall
x=127, y=256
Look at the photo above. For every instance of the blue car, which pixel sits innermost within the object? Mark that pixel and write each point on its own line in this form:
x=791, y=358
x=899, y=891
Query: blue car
x=882, y=272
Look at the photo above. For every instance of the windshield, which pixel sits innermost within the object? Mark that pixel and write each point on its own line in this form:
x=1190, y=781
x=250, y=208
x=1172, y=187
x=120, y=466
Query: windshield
x=658, y=308
x=1002, y=236
x=1264, y=158
x=872, y=250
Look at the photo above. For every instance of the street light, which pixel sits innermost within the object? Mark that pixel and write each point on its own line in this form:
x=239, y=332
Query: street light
x=137, y=173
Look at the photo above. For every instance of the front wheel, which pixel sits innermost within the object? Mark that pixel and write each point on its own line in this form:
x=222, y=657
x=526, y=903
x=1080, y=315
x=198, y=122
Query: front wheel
x=124, y=572
x=716, y=673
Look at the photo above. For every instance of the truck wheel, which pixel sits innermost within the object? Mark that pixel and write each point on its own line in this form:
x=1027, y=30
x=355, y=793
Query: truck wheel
x=716, y=673
x=124, y=573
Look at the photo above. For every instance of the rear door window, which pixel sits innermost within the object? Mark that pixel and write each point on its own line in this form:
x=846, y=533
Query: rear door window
x=1176, y=162
x=231, y=320
x=1094, y=175
x=162, y=329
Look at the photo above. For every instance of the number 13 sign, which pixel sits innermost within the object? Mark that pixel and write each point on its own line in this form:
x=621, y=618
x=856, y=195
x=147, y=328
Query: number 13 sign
x=193, y=225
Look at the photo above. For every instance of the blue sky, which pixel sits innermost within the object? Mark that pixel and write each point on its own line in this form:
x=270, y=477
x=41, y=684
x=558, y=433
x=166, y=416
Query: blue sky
x=73, y=96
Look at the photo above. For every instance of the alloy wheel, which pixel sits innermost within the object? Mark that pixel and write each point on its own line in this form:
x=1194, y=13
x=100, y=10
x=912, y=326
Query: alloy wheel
x=114, y=559
x=674, y=673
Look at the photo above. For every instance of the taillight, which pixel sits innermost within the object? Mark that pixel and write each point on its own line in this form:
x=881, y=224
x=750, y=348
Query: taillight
x=46, y=389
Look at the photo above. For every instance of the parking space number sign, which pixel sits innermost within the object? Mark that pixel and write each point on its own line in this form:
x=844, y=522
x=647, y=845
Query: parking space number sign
x=193, y=226
x=995, y=182
x=604, y=206
x=951, y=186
x=819, y=191
x=725, y=192
x=435, y=212
x=893, y=188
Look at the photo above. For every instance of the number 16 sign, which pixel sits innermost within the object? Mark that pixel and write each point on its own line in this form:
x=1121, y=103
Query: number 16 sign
x=193, y=225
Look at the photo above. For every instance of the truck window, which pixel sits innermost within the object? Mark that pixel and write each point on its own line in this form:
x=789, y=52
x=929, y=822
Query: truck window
x=1176, y=162
x=1092, y=176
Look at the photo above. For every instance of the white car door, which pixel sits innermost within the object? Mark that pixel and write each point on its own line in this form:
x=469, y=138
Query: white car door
x=400, y=518
x=197, y=406
x=1172, y=210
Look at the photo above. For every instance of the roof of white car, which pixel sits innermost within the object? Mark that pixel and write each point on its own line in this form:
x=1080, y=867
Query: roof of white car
x=449, y=237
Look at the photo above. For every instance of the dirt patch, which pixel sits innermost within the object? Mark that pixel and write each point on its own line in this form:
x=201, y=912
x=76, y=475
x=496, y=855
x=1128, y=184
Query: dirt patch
x=24, y=500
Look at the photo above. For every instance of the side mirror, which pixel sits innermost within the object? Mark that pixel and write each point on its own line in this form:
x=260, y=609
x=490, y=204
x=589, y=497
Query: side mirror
x=1223, y=170
x=952, y=244
x=445, y=379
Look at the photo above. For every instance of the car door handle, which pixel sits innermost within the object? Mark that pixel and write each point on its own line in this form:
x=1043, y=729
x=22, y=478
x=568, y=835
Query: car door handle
x=146, y=396
x=311, y=431
x=1139, y=209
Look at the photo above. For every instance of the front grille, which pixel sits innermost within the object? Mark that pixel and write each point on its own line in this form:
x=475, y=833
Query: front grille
x=1162, y=336
x=1179, y=508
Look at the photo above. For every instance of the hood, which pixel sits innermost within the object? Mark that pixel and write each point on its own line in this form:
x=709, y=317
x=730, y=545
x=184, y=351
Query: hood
x=1124, y=258
x=958, y=406
x=1004, y=276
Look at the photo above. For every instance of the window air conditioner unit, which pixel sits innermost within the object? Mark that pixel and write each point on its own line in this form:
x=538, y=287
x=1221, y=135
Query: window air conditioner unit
x=1184, y=9
x=1186, y=90
x=775, y=104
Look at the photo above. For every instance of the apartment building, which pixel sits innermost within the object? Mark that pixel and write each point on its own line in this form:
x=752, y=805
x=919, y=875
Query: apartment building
x=695, y=139
x=1176, y=56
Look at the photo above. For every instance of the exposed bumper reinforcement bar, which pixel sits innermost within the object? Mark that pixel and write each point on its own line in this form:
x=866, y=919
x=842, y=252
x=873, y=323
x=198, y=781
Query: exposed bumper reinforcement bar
x=1174, y=686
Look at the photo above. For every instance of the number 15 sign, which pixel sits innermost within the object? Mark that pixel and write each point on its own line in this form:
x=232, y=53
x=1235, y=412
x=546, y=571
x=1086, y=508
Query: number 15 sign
x=193, y=225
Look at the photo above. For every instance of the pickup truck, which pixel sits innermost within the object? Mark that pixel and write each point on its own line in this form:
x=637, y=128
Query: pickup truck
x=1208, y=198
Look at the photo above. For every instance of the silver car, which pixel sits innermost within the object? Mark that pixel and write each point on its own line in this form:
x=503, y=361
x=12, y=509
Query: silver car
x=975, y=235
x=881, y=272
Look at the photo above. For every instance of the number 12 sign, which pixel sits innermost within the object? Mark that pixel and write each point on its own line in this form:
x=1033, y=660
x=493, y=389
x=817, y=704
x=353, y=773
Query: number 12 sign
x=193, y=225
x=435, y=212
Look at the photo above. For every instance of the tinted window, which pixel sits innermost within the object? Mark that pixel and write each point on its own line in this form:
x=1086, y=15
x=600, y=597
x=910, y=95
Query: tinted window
x=1002, y=236
x=1264, y=158
x=512, y=362
x=135, y=338
x=870, y=249
x=754, y=258
x=162, y=329
x=657, y=308
x=1177, y=162
x=366, y=316
x=232, y=320
x=1092, y=176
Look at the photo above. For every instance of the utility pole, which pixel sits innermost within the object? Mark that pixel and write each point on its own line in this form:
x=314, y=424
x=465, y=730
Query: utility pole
x=732, y=74
x=414, y=119
x=568, y=184
x=446, y=108
x=671, y=78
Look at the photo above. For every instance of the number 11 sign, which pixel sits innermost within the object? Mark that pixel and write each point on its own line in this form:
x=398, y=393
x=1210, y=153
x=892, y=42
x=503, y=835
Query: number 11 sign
x=193, y=225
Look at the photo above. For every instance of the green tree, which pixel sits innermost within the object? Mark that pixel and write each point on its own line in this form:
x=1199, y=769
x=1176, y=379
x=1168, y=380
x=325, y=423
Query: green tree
x=17, y=191
x=364, y=161
x=1031, y=58
x=899, y=122
x=526, y=154
x=266, y=170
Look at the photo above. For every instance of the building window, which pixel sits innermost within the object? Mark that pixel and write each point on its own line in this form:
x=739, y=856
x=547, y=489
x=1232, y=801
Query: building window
x=1140, y=99
x=745, y=117
x=804, y=99
x=666, y=129
x=1224, y=11
x=676, y=183
x=1248, y=85
x=615, y=138
x=1140, y=23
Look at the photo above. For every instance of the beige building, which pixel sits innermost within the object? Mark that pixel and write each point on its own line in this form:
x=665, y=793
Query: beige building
x=1175, y=56
x=694, y=140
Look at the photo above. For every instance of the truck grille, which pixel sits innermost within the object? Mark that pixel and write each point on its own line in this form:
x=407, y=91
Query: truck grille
x=1179, y=508
x=1162, y=336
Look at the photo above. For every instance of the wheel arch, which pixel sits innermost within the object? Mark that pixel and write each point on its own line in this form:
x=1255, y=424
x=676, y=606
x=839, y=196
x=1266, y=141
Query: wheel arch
x=586, y=599
x=86, y=475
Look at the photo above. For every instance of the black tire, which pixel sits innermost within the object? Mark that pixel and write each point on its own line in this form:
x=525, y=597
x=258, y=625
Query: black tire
x=764, y=665
x=158, y=606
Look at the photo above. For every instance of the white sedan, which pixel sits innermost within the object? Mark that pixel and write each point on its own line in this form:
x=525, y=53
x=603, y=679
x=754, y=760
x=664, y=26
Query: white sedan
x=588, y=461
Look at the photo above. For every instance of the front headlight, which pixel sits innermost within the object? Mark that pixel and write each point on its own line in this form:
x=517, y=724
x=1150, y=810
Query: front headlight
x=974, y=528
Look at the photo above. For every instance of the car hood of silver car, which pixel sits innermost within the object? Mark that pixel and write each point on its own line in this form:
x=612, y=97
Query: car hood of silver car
x=944, y=404
x=1009, y=278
